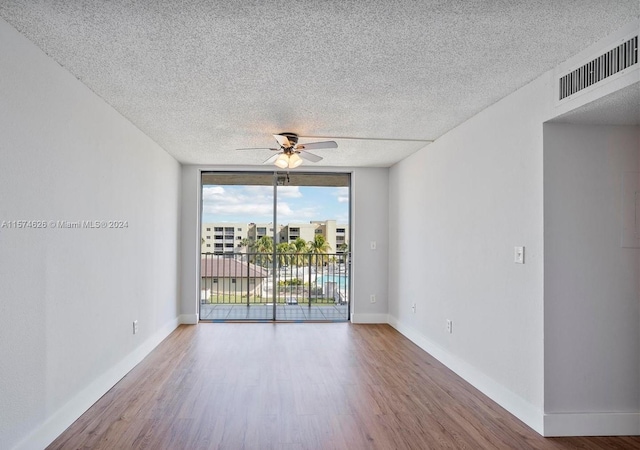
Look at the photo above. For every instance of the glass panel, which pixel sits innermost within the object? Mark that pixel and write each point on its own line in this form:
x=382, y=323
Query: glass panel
x=304, y=275
x=312, y=238
x=235, y=275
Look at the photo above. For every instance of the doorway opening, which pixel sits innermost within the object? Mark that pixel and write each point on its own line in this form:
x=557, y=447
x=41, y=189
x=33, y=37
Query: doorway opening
x=275, y=246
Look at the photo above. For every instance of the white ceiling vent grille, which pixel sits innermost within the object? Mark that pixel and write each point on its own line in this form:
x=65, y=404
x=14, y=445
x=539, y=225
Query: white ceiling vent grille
x=607, y=64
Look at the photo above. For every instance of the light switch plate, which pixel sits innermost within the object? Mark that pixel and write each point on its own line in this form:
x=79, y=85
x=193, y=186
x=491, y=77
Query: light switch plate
x=518, y=255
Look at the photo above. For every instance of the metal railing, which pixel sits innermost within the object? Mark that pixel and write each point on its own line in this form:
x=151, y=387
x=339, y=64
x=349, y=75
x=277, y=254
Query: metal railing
x=300, y=278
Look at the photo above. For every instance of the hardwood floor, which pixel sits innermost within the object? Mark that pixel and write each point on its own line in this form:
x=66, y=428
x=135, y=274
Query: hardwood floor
x=301, y=386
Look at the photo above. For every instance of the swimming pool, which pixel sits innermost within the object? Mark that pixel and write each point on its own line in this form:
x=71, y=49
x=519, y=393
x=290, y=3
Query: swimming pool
x=342, y=280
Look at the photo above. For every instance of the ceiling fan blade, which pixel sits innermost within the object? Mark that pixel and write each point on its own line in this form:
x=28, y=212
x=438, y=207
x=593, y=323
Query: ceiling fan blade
x=309, y=156
x=259, y=148
x=282, y=140
x=316, y=145
x=272, y=159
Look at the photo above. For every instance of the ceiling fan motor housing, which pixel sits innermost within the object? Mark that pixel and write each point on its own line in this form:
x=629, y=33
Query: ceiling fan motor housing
x=293, y=138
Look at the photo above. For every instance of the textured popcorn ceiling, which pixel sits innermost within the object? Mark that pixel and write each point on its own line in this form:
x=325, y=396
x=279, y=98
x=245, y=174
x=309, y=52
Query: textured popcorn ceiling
x=205, y=77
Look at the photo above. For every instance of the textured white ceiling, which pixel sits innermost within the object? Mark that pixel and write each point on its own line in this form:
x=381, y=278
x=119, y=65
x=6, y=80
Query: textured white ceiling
x=204, y=77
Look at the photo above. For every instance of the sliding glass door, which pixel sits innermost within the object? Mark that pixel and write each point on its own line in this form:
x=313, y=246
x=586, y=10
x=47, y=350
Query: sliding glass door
x=275, y=246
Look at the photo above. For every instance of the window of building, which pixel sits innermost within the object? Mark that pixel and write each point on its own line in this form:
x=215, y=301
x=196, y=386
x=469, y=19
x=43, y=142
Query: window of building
x=239, y=238
x=239, y=229
x=318, y=231
x=262, y=230
x=208, y=229
x=208, y=237
x=218, y=229
x=339, y=230
x=215, y=280
x=228, y=245
x=218, y=245
x=208, y=245
x=233, y=281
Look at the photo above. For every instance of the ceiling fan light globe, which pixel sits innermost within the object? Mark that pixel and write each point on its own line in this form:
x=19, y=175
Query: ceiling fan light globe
x=294, y=161
x=282, y=161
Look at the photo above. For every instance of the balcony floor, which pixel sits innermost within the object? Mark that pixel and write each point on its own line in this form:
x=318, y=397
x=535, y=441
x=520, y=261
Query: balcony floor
x=331, y=313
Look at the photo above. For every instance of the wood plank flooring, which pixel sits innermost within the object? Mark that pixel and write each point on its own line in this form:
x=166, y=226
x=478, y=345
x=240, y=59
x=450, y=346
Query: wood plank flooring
x=301, y=386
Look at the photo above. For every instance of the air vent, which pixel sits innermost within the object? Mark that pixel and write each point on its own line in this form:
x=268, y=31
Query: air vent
x=610, y=63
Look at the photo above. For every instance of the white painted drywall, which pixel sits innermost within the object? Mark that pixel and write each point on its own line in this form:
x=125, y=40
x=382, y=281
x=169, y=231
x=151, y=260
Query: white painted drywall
x=591, y=283
x=69, y=296
x=369, y=222
x=457, y=209
x=370, y=196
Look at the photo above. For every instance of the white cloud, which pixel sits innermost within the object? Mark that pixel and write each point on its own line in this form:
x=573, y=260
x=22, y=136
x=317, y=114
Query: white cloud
x=255, y=203
x=342, y=193
x=211, y=192
x=260, y=191
x=231, y=201
x=289, y=192
x=299, y=214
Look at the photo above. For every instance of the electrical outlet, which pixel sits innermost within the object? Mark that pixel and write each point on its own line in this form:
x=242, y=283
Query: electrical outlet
x=135, y=327
x=449, y=326
x=373, y=298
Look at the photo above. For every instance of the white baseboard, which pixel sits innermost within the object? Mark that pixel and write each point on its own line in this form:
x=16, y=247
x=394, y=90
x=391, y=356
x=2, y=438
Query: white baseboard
x=189, y=319
x=510, y=401
x=59, y=421
x=592, y=424
x=370, y=318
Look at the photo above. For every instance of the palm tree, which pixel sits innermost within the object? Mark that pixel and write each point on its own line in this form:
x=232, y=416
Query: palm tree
x=245, y=244
x=319, y=246
x=264, y=246
x=284, y=252
x=299, y=247
x=343, y=249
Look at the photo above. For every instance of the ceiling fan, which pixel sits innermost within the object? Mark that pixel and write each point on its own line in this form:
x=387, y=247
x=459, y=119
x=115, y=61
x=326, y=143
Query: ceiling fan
x=291, y=154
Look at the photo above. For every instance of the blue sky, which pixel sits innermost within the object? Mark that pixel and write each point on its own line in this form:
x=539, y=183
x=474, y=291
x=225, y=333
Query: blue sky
x=296, y=204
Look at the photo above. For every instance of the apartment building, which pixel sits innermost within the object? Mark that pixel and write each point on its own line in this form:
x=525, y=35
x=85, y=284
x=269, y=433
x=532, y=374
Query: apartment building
x=227, y=237
x=223, y=237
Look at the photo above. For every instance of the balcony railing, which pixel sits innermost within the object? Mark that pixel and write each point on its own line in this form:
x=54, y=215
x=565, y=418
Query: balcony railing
x=248, y=278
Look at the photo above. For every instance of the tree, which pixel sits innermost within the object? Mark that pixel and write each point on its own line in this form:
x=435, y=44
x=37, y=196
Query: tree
x=343, y=249
x=264, y=246
x=245, y=244
x=284, y=252
x=319, y=246
x=299, y=247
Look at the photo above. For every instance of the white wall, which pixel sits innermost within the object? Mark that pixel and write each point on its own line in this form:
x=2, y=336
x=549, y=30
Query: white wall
x=457, y=209
x=69, y=296
x=591, y=283
x=369, y=223
x=370, y=197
